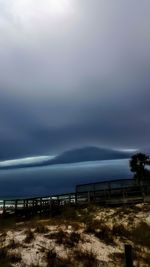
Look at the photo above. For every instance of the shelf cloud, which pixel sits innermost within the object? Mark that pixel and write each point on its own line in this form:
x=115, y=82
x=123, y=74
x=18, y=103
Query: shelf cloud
x=73, y=73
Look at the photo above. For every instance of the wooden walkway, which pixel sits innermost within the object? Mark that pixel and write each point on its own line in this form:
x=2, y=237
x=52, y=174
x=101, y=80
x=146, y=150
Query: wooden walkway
x=115, y=192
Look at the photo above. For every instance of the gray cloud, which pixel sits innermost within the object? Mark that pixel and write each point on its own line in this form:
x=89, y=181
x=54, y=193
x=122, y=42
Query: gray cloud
x=73, y=73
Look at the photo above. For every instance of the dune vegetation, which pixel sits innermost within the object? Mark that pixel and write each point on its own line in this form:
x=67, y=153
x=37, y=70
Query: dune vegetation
x=93, y=236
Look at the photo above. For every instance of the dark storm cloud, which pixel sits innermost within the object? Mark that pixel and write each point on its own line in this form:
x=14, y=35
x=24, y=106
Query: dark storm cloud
x=73, y=73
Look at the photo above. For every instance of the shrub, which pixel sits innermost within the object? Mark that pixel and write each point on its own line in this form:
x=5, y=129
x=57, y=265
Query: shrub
x=4, y=258
x=52, y=260
x=59, y=236
x=92, y=226
x=74, y=238
x=105, y=234
x=69, y=213
x=120, y=230
x=75, y=225
x=100, y=230
x=64, y=238
x=86, y=217
x=41, y=229
x=87, y=258
x=117, y=259
x=141, y=234
x=29, y=236
x=15, y=257
x=13, y=244
x=3, y=252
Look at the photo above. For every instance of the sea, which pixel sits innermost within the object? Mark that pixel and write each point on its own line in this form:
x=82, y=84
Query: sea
x=60, y=178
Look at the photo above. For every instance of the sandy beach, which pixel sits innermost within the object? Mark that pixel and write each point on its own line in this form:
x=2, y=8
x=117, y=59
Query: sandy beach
x=92, y=236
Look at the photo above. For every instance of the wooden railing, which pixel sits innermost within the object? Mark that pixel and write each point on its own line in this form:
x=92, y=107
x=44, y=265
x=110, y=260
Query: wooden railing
x=113, y=192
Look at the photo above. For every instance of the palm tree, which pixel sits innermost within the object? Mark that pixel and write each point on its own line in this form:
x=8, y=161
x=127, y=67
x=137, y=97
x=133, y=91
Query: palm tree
x=138, y=163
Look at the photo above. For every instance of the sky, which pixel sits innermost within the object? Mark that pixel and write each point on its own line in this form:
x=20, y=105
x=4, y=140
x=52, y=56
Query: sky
x=73, y=73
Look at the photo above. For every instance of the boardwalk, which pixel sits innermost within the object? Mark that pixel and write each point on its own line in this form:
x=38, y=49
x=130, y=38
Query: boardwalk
x=114, y=192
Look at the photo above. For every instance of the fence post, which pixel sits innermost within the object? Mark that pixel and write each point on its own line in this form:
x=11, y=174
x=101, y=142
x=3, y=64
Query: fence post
x=89, y=197
x=16, y=202
x=76, y=198
x=4, y=206
x=128, y=255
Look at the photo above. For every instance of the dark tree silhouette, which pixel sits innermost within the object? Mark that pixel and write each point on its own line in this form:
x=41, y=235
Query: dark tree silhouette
x=138, y=164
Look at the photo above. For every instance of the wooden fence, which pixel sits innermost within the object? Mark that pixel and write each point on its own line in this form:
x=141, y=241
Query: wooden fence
x=114, y=192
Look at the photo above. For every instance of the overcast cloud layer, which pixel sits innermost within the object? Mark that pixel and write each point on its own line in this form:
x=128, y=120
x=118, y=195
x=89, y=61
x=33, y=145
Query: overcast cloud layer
x=73, y=73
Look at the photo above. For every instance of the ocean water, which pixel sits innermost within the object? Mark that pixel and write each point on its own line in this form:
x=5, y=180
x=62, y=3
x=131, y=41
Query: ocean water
x=58, y=179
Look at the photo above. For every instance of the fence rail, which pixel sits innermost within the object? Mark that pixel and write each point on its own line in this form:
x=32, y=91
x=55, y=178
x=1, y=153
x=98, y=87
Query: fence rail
x=112, y=192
